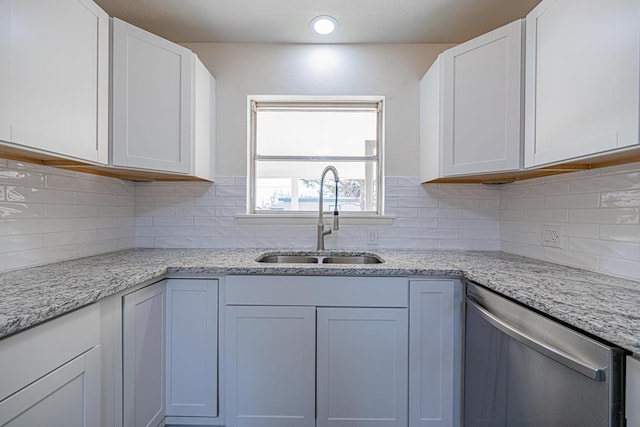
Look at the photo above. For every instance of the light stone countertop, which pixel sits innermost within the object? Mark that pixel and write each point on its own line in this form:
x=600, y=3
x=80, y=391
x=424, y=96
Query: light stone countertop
x=605, y=306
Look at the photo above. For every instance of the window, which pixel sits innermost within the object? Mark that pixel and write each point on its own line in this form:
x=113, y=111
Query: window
x=292, y=141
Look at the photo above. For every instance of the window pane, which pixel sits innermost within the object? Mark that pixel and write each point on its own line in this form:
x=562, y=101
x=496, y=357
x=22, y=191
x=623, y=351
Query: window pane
x=294, y=186
x=316, y=133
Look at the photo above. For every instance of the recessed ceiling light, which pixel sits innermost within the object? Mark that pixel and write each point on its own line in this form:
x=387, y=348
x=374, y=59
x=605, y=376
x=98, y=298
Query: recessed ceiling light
x=324, y=25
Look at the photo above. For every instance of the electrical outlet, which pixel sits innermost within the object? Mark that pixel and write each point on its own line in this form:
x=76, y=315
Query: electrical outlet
x=372, y=236
x=552, y=236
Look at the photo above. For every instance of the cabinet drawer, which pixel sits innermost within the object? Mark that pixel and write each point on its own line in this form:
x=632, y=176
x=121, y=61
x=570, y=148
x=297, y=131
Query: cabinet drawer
x=29, y=355
x=318, y=291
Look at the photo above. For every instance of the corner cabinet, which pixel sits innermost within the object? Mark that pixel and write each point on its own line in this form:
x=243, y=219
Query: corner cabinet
x=470, y=107
x=162, y=105
x=143, y=356
x=582, y=86
x=54, y=78
x=61, y=389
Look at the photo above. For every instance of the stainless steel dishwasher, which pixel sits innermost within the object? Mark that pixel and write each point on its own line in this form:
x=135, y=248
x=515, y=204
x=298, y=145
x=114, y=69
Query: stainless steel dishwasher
x=524, y=370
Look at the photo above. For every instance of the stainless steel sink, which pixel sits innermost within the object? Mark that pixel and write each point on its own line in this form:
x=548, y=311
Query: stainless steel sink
x=288, y=259
x=352, y=259
x=320, y=258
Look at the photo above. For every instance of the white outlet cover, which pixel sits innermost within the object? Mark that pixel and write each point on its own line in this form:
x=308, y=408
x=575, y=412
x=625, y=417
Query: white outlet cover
x=552, y=236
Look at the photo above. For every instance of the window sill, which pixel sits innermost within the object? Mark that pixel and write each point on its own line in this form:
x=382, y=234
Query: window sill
x=307, y=219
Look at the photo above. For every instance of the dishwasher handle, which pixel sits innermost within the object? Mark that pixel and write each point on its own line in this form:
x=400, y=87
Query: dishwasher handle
x=581, y=367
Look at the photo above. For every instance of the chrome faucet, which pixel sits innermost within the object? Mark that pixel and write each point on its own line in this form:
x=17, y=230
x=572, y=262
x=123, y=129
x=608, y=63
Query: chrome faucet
x=321, y=231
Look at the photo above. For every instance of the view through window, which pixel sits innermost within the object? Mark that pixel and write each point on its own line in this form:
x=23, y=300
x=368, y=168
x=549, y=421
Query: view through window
x=292, y=142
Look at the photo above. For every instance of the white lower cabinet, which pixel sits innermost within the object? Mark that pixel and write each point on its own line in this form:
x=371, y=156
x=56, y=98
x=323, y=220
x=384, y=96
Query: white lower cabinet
x=280, y=373
x=270, y=366
x=362, y=367
x=633, y=392
x=143, y=352
x=67, y=397
x=434, y=353
x=192, y=350
x=50, y=374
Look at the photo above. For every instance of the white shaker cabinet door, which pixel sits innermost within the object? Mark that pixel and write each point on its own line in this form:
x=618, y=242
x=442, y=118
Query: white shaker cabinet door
x=362, y=367
x=152, y=101
x=582, y=59
x=432, y=389
x=192, y=347
x=270, y=374
x=143, y=351
x=482, y=85
x=67, y=397
x=58, y=77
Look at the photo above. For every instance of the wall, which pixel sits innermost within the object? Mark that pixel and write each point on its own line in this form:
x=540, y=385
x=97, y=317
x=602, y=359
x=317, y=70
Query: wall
x=49, y=215
x=426, y=217
x=262, y=69
x=598, y=210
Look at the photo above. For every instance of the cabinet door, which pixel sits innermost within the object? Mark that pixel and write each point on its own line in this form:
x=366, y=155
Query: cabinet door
x=431, y=354
x=581, y=78
x=270, y=366
x=362, y=367
x=67, y=397
x=59, y=74
x=143, y=356
x=192, y=347
x=482, y=84
x=152, y=101
x=633, y=392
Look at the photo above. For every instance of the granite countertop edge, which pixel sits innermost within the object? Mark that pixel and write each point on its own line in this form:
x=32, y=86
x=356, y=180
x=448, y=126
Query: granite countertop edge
x=604, y=306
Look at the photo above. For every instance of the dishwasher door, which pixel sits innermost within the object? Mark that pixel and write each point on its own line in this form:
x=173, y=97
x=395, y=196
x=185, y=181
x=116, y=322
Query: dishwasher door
x=525, y=370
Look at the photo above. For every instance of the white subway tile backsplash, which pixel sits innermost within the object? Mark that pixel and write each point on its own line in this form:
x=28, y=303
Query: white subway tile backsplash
x=622, y=233
x=38, y=225
x=21, y=210
x=52, y=214
x=620, y=199
x=605, y=216
x=630, y=251
x=598, y=211
x=22, y=259
x=620, y=267
x=20, y=243
x=584, y=200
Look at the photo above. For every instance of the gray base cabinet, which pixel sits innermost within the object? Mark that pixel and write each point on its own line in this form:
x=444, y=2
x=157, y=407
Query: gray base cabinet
x=326, y=357
x=362, y=367
x=434, y=353
x=192, y=349
x=143, y=351
x=50, y=375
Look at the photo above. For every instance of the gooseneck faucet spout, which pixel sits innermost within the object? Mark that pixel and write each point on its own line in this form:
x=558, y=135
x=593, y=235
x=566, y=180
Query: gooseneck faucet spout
x=321, y=232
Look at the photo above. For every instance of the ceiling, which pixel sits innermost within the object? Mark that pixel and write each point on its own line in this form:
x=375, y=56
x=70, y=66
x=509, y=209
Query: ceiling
x=287, y=21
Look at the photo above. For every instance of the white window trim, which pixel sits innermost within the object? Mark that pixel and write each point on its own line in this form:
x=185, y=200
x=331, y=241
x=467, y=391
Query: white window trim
x=354, y=218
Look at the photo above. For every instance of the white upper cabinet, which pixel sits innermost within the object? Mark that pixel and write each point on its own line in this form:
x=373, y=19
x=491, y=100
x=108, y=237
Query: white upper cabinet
x=582, y=79
x=154, y=102
x=470, y=107
x=55, y=86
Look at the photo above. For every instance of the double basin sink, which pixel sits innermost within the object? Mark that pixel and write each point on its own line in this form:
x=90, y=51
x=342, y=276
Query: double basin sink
x=324, y=258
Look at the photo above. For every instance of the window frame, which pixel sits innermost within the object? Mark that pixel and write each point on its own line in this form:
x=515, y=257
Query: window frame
x=301, y=103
